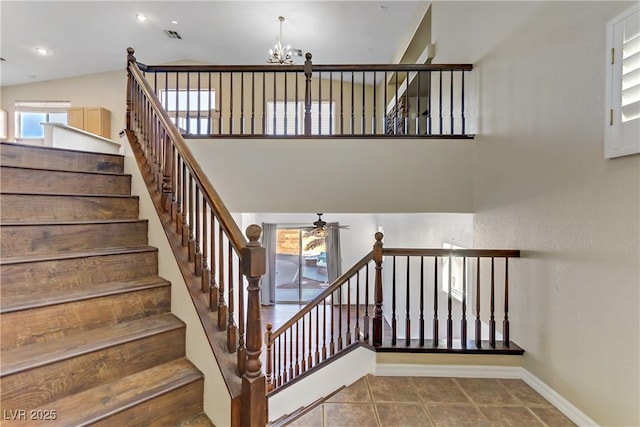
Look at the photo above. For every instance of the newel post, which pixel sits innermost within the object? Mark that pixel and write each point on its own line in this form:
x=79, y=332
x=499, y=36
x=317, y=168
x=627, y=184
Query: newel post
x=130, y=59
x=307, y=94
x=377, y=314
x=254, y=400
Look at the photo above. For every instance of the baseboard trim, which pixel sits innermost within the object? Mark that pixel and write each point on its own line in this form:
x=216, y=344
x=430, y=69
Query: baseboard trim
x=479, y=371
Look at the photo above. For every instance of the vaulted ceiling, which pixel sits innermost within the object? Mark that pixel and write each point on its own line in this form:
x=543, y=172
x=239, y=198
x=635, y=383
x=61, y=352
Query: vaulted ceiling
x=92, y=36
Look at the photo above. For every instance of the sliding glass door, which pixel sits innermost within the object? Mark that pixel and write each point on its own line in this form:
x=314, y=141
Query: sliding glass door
x=301, y=266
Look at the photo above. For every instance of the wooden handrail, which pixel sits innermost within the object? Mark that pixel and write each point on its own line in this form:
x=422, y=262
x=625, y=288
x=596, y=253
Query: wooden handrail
x=300, y=68
x=324, y=294
x=482, y=253
x=238, y=240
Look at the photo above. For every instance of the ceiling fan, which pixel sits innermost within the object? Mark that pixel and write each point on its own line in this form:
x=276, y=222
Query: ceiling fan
x=320, y=227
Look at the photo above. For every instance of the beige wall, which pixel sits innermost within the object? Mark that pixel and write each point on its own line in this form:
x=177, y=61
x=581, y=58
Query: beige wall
x=106, y=90
x=542, y=185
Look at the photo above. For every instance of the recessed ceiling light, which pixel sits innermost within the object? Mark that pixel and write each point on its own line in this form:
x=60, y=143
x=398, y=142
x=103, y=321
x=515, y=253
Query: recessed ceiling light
x=174, y=22
x=140, y=17
x=42, y=51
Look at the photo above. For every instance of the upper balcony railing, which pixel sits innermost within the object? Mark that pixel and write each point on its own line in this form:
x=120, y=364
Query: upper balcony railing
x=397, y=100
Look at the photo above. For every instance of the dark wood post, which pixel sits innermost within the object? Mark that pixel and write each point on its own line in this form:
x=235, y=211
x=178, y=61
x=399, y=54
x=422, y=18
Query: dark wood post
x=307, y=94
x=377, y=314
x=130, y=59
x=254, y=400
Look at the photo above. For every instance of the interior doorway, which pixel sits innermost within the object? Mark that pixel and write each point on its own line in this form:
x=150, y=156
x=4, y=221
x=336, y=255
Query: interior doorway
x=301, y=265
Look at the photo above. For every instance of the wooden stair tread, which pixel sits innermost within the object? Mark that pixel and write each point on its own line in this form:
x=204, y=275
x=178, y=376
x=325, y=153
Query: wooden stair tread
x=100, y=403
x=58, y=149
x=8, y=260
x=200, y=421
x=107, y=173
x=44, y=193
x=47, y=297
x=70, y=222
x=40, y=354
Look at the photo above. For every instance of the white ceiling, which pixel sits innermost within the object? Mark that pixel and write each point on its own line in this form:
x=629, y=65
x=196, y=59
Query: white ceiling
x=87, y=37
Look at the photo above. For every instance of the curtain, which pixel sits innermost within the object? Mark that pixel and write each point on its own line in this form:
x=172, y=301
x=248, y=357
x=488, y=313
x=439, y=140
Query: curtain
x=334, y=258
x=269, y=239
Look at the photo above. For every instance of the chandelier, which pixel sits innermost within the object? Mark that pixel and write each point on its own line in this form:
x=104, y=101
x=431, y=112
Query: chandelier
x=280, y=54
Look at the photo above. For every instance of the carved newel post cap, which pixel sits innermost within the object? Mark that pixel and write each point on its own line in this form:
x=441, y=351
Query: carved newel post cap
x=269, y=327
x=307, y=56
x=379, y=236
x=130, y=51
x=253, y=233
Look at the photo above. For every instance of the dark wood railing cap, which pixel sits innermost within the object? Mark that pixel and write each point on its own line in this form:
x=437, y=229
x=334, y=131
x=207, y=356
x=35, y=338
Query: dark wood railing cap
x=253, y=233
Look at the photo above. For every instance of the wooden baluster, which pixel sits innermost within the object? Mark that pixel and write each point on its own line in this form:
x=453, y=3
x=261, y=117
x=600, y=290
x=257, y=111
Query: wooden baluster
x=188, y=112
x=290, y=363
x=242, y=350
x=198, y=115
x=492, y=320
x=463, y=325
x=205, y=278
x=352, y=124
x=222, y=305
x=220, y=103
x=285, y=127
x=297, y=369
x=317, y=354
x=309, y=360
x=440, y=102
x=462, y=118
x=279, y=360
x=175, y=184
x=188, y=231
x=167, y=176
x=421, y=338
x=436, y=326
x=324, y=329
x=451, y=100
x=384, y=105
x=231, y=103
x=407, y=326
x=179, y=196
x=253, y=103
x=185, y=206
x=275, y=114
x=254, y=410
x=341, y=103
x=418, y=109
x=232, y=328
x=331, y=102
x=319, y=103
x=269, y=369
x=505, y=322
x=303, y=362
x=308, y=69
x=241, y=103
x=365, y=320
x=374, y=124
x=297, y=118
x=177, y=106
x=394, y=325
x=214, y=292
x=377, y=315
x=332, y=348
x=339, y=318
x=478, y=321
x=449, y=305
x=363, y=120
x=210, y=107
x=357, y=327
x=348, y=332
x=198, y=229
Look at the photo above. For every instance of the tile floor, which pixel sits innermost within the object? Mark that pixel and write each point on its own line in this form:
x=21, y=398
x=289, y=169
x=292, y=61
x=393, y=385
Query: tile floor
x=427, y=401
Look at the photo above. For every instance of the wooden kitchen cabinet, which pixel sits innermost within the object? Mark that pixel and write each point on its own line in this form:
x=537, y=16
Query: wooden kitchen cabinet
x=96, y=120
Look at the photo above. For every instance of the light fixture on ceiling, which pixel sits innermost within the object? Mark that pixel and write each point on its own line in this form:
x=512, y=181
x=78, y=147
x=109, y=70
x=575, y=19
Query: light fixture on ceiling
x=280, y=54
x=42, y=51
x=140, y=17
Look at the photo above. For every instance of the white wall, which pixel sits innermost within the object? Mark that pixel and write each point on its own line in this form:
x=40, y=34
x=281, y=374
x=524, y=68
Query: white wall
x=339, y=175
x=542, y=185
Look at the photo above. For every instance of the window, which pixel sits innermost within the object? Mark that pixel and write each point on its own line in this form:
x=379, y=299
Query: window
x=457, y=273
x=190, y=110
x=622, y=134
x=30, y=115
x=287, y=118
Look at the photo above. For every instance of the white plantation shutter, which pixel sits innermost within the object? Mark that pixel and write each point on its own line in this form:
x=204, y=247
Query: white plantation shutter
x=322, y=114
x=622, y=134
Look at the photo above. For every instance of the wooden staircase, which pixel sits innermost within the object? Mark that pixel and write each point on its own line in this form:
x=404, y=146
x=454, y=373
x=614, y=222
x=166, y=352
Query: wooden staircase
x=87, y=334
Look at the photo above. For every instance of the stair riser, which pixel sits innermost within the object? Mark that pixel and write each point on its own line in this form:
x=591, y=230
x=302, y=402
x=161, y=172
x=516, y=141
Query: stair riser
x=19, y=180
x=29, y=277
x=48, y=323
x=38, y=157
x=165, y=410
x=18, y=240
x=23, y=207
x=39, y=386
